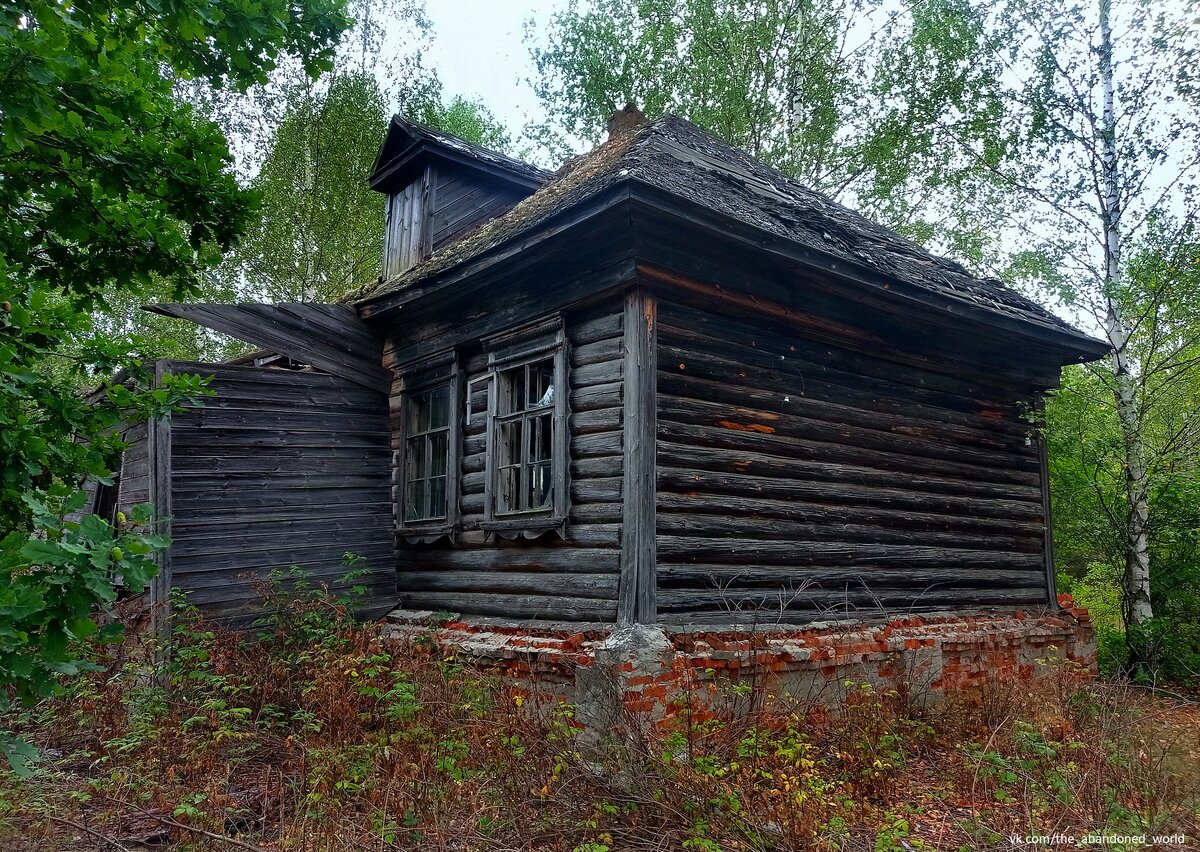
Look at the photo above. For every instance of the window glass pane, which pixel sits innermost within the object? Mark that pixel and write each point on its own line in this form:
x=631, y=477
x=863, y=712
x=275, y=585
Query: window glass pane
x=415, y=507
x=540, y=434
x=439, y=407
x=417, y=461
x=508, y=489
x=438, y=445
x=437, y=497
x=510, y=442
x=539, y=486
x=541, y=383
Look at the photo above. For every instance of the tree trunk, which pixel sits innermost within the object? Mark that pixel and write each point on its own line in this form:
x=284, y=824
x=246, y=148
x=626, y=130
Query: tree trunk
x=1137, y=610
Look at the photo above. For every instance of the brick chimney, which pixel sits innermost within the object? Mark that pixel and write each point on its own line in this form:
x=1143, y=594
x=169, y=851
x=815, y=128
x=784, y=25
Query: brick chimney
x=625, y=121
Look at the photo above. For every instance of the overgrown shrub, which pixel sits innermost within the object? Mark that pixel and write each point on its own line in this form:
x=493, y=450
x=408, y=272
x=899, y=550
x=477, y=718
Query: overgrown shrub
x=317, y=732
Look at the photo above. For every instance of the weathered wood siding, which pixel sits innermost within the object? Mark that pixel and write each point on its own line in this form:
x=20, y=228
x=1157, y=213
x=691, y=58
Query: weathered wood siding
x=133, y=485
x=281, y=468
x=441, y=205
x=547, y=577
x=796, y=478
x=463, y=200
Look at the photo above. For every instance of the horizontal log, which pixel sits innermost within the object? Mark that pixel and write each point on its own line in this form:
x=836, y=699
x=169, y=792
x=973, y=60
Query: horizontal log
x=597, y=352
x=597, y=374
x=598, y=586
x=596, y=396
x=596, y=513
x=707, y=331
x=720, y=577
x=597, y=324
x=704, y=482
x=680, y=549
x=831, y=602
x=597, y=444
x=752, y=367
x=725, y=526
x=544, y=607
x=826, y=451
x=754, y=420
x=599, y=420
x=838, y=412
x=559, y=558
x=592, y=535
x=203, y=535
x=769, y=466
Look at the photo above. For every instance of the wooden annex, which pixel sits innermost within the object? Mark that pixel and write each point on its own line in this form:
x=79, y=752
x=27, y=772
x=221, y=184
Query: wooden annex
x=663, y=384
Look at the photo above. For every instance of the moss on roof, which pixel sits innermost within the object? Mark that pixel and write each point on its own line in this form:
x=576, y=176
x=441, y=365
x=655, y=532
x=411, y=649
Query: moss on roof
x=679, y=158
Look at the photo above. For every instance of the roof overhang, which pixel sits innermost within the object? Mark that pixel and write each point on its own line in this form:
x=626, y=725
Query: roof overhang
x=668, y=230
x=408, y=148
x=331, y=338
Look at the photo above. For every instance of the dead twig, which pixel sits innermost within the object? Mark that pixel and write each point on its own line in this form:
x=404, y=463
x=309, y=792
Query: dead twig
x=92, y=832
x=232, y=841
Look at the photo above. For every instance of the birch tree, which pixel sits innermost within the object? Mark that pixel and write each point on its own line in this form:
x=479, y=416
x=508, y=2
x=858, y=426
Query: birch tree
x=1100, y=135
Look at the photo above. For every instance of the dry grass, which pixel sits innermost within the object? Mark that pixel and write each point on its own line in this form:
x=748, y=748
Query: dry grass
x=323, y=736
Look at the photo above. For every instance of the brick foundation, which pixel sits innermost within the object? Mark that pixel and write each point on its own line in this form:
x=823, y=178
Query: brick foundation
x=646, y=673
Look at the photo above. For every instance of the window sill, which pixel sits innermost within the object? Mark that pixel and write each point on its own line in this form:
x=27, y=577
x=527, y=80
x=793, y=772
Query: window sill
x=529, y=527
x=424, y=534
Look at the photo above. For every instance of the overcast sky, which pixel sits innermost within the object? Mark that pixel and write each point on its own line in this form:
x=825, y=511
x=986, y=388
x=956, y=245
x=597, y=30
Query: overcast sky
x=479, y=52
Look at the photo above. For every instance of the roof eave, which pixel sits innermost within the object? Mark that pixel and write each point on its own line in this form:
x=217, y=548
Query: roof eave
x=1078, y=346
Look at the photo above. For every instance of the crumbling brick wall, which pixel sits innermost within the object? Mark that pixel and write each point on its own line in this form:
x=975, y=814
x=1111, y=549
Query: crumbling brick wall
x=648, y=673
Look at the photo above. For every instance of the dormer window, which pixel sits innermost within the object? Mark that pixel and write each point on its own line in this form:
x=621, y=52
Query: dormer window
x=440, y=188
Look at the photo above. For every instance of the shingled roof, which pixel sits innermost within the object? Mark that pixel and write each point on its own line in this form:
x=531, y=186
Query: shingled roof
x=406, y=136
x=675, y=156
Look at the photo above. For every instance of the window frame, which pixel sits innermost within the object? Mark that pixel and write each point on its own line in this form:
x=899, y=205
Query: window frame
x=417, y=379
x=505, y=352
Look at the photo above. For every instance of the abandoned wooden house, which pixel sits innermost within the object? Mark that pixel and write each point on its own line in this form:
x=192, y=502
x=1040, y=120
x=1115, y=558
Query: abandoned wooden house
x=665, y=384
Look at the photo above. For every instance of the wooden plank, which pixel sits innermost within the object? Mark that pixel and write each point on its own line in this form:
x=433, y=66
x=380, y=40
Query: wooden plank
x=826, y=450
x=769, y=467
x=847, y=528
x=543, y=607
x=298, y=331
x=873, y=576
x=1047, y=523
x=559, y=560
x=757, y=420
x=637, y=589
x=731, y=551
x=158, y=446
x=598, y=586
x=699, y=481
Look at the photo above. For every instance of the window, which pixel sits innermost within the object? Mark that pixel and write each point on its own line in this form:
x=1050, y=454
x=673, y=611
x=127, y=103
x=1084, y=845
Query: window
x=429, y=435
x=426, y=454
x=525, y=443
x=528, y=444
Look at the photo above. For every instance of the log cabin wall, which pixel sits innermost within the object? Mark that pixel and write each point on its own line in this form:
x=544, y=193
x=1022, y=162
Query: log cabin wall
x=547, y=577
x=281, y=468
x=796, y=478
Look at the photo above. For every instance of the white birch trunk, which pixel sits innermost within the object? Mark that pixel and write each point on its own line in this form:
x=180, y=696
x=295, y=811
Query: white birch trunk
x=1116, y=328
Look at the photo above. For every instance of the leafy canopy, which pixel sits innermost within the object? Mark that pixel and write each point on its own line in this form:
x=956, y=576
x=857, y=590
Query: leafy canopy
x=107, y=182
